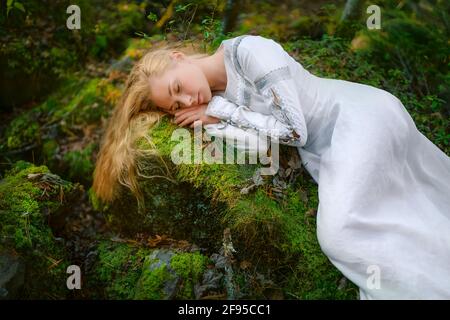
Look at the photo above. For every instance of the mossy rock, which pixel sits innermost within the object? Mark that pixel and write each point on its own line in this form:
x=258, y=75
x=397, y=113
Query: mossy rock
x=117, y=270
x=31, y=198
x=126, y=271
x=172, y=207
x=170, y=275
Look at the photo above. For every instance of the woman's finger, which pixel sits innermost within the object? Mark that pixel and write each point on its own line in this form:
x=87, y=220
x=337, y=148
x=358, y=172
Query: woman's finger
x=184, y=110
x=189, y=120
x=184, y=116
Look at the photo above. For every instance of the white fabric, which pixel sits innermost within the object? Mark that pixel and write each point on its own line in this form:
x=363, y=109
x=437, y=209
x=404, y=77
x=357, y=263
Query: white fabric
x=384, y=188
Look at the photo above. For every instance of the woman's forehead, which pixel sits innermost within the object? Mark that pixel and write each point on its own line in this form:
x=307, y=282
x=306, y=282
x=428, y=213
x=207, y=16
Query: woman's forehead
x=159, y=90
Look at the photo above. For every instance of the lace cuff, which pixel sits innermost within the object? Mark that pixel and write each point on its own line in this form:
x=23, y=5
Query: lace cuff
x=221, y=108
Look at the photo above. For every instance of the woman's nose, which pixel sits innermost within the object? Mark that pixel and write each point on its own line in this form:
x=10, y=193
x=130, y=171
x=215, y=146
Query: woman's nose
x=187, y=101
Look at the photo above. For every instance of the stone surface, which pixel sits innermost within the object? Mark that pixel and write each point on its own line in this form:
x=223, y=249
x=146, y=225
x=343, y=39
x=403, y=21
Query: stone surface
x=12, y=276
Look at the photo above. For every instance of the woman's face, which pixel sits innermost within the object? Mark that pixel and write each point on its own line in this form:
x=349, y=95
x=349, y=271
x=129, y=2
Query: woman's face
x=181, y=86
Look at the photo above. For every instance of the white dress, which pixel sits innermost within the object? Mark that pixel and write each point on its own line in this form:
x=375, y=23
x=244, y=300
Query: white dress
x=384, y=188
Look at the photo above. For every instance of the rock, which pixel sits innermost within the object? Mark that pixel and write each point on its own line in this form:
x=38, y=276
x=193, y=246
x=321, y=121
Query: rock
x=168, y=274
x=219, y=260
x=12, y=276
x=163, y=257
x=158, y=280
x=211, y=282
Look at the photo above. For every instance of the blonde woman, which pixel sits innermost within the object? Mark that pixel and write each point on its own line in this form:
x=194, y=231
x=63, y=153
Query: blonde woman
x=384, y=188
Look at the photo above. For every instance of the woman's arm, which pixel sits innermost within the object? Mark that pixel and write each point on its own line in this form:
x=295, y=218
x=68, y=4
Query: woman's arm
x=243, y=117
x=244, y=140
x=220, y=108
x=268, y=73
x=249, y=141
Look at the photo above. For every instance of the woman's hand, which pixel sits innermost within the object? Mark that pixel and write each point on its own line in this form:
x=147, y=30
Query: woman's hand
x=189, y=116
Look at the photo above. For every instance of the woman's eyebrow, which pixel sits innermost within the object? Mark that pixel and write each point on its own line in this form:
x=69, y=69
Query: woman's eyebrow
x=170, y=91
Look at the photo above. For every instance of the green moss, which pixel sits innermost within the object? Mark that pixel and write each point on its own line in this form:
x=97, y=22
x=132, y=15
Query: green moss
x=280, y=234
x=190, y=267
x=77, y=102
x=29, y=127
x=95, y=201
x=151, y=283
x=50, y=149
x=22, y=131
x=181, y=273
x=124, y=271
x=118, y=269
x=220, y=181
x=25, y=199
x=79, y=163
x=81, y=102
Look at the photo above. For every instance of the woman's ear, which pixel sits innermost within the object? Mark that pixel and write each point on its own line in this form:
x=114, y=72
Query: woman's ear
x=177, y=55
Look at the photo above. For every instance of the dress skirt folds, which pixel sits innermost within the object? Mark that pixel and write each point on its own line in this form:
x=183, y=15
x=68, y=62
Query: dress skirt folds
x=384, y=197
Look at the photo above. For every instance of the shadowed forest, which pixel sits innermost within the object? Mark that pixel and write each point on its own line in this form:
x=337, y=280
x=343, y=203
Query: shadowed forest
x=204, y=231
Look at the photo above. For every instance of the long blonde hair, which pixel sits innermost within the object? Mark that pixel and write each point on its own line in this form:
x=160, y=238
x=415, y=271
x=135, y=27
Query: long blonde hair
x=118, y=160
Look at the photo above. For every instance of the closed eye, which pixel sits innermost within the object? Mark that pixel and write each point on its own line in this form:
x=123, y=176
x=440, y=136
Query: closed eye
x=178, y=90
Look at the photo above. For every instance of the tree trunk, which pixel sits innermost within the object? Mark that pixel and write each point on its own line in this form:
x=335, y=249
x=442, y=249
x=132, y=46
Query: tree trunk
x=231, y=15
x=352, y=10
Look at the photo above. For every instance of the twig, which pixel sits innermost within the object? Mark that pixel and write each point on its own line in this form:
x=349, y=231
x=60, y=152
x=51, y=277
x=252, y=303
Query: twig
x=189, y=24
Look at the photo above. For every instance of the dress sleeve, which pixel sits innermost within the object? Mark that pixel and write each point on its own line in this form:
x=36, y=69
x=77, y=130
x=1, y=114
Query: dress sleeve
x=263, y=64
x=243, y=140
x=242, y=117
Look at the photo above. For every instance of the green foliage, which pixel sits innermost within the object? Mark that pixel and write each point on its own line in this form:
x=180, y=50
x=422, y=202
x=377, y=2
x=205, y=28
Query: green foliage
x=406, y=43
x=14, y=4
x=212, y=32
x=332, y=57
x=115, y=25
x=40, y=49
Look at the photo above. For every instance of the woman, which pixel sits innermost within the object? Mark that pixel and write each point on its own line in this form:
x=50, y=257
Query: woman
x=384, y=207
